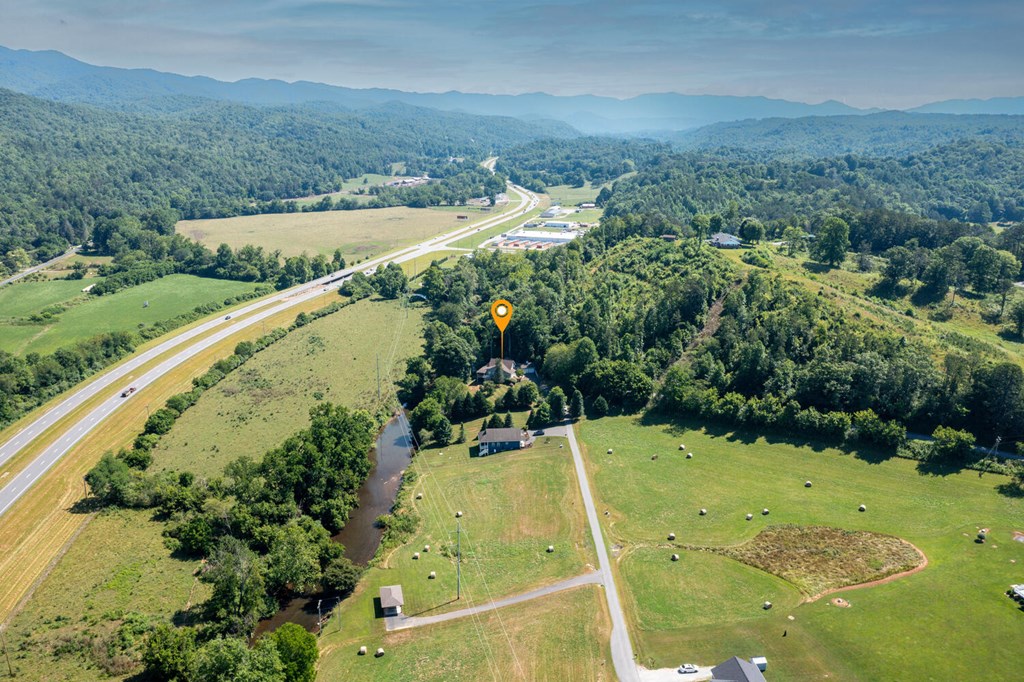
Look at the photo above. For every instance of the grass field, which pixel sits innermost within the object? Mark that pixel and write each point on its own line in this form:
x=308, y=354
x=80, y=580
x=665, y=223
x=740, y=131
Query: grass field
x=72, y=621
x=892, y=631
x=515, y=504
x=123, y=311
x=21, y=299
x=562, y=637
x=359, y=234
x=268, y=398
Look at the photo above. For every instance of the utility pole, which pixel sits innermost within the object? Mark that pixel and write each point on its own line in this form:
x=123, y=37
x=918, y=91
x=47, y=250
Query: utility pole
x=458, y=558
x=7, y=654
x=319, y=618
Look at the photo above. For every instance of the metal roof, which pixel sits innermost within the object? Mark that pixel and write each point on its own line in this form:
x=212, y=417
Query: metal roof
x=502, y=435
x=391, y=596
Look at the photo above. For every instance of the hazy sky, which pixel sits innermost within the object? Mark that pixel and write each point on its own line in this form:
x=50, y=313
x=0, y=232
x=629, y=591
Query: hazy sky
x=890, y=53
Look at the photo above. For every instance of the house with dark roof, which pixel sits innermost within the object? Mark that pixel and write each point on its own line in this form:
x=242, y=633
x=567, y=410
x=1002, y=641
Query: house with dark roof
x=489, y=371
x=737, y=670
x=392, y=600
x=499, y=440
x=723, y=240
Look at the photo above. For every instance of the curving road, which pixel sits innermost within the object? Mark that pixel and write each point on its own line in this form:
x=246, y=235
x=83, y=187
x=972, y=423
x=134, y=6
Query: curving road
x=191, y=342
x=42, y=266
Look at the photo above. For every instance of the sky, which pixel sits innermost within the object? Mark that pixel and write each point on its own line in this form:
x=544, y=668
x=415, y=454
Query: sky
x=892, y=54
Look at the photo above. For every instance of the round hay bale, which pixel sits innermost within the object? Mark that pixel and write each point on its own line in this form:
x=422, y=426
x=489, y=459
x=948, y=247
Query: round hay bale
x=415, y=556
x=458, y=514
x=379, y=653
x=767, y=605
x=362, y=651
x=689, y=455
x=675, y=557
x=671, y=536
x=749, y=516
x=426, y=548
x=432, y=575
x=682, y=447
x=862, y=508
x=551, y=548
x=419, y=496
x=561, y=445
x=764, y=512
x=609, y=451
x=703, y=512
x=807, y=484
x=654, y=457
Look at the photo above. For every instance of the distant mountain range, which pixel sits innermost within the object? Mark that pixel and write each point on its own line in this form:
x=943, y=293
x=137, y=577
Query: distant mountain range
x=56, y=76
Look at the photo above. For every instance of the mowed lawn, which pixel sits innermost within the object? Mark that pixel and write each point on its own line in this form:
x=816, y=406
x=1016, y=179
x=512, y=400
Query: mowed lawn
x=268, y=398
x=706, y=608
x=514, y=504
x=21, y=299
x=122, y=311
x=359, y=234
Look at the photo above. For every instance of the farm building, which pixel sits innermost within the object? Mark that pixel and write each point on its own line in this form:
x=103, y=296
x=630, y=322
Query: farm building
x=391, y=600
x=500, y=440
x=488, y=371
x=722, y=240
x=737, y=670
x=552, y=212
x=588, y=204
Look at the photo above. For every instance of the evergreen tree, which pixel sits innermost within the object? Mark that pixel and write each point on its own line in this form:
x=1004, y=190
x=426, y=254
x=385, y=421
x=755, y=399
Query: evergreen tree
x=556, y=403
x=600, y=407
x=443, y=431
x=576, y=405
x=507, y=421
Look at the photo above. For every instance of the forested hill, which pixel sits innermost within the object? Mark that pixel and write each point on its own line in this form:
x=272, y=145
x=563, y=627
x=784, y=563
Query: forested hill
x=891, y=133
x=65, y=164
x=970, y=180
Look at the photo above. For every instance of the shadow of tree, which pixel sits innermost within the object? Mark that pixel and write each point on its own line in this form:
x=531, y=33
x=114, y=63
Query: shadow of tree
x=87, y=505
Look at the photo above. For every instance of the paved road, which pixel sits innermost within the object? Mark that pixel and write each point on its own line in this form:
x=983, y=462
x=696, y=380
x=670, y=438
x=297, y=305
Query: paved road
x=193, y=341
x=405, y=622
x=622, y=649
x=42, y=266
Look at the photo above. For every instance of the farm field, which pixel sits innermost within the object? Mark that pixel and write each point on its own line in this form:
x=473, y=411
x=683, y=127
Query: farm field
x=269, y=397
x=24, y=298
x=359, y=234
x=122, y=311
x=707, y=608
x=515, y=504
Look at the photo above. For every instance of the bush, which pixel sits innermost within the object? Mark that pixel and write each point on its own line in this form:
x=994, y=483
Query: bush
x=952, y=445
x=341, y=576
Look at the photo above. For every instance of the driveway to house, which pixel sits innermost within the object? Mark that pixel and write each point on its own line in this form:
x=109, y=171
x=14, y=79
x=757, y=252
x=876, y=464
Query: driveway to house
x=404, y=622
x=622, y=648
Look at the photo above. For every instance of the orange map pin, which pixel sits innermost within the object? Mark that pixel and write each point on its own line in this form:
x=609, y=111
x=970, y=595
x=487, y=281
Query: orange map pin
x=501, y=311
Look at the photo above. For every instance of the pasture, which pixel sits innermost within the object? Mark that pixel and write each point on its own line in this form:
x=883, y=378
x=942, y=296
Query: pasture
x=515, y=504
x=707, y=607
x=122, y=311
x=359, y=234
x=268, y=398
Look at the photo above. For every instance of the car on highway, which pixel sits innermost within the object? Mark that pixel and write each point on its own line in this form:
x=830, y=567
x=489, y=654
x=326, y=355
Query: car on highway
x=227, y=317
x=687, y=668
x=127, y=392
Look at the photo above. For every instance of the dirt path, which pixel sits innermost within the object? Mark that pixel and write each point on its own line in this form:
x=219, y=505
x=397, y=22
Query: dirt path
x=881, y=581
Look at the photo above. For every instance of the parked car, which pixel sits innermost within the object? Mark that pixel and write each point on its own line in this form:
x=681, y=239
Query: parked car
x=687, y=668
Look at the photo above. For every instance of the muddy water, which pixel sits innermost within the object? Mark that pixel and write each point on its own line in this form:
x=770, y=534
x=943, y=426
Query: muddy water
x=361, y=535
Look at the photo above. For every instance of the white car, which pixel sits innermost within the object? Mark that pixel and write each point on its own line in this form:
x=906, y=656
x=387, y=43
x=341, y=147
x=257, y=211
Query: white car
x=687, y=668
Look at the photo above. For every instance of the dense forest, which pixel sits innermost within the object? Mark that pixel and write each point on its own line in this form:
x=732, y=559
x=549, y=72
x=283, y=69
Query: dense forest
x=575, y=161
x=609, y=318
x=887, y=134
x=969, y=180
x=65, y=165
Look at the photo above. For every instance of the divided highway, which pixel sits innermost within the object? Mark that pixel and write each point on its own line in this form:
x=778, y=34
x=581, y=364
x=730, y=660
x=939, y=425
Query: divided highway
x=194, y=341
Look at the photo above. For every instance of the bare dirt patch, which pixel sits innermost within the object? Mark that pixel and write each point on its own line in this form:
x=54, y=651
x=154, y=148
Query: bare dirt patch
x=840, y=602
x=820, y=560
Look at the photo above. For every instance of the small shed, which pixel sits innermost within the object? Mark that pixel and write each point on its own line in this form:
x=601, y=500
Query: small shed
x=736, y=670
x=391, y=600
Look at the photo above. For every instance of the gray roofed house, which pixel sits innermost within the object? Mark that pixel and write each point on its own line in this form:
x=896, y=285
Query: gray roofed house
x=736, y=670
x=490, y=369
x=499, y=440
x=723, y=240
x=391, y=600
